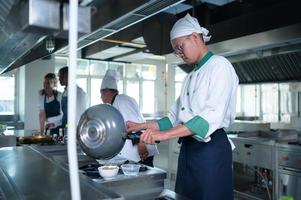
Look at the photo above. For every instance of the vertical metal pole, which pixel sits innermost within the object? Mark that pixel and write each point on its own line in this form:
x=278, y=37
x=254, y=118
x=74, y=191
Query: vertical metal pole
x=279, y=103
x=72, y=152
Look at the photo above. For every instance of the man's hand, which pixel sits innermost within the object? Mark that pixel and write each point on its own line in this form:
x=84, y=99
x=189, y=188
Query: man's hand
x=142, y=150
x=150, y=136
x=49, y=126
x=133, y=126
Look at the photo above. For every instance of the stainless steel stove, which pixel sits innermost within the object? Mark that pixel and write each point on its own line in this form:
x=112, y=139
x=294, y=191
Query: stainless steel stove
x=289, y=170
x=147, y=185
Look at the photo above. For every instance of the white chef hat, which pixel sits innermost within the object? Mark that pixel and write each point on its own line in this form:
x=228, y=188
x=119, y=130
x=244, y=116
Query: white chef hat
x=186, y=26
x=110, y=80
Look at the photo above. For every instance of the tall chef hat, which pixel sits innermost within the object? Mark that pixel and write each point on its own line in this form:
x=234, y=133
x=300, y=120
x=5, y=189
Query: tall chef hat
x=186, y=26
x=110, y=80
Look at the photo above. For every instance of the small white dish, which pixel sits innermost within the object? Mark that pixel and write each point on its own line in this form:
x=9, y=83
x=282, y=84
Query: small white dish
x=130, y=169
x=108, y=171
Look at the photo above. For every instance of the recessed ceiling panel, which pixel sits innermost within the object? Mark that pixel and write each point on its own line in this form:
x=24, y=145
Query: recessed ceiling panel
x=139, y=56
x=111, y=52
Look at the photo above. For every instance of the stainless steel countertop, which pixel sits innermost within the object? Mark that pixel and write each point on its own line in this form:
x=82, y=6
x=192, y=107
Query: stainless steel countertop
x=28, y=174
x=253, y=139
x=151, y=173
x=264, y=141
x=289, y=147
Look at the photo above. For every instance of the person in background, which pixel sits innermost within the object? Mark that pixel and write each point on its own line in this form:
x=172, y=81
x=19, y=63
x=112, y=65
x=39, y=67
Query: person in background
x=50, y=115
x=129, y=109
x=81, y=103
x=205, y=107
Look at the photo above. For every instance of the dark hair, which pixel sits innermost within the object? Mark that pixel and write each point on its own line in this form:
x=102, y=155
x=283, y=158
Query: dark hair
x=50, y=76
x=201, y=37
x=111, y=90
x=63, y=70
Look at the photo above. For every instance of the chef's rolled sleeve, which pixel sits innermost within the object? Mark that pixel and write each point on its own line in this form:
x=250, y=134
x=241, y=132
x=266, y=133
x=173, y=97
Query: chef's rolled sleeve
x=199, y=126
x=164, y=123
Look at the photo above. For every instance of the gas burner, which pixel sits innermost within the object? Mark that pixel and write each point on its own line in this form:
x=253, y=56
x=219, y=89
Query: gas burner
x=91, y=170
x=90, y=166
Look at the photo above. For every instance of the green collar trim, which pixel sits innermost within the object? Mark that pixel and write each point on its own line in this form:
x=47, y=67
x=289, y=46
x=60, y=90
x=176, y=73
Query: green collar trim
x=203, y=60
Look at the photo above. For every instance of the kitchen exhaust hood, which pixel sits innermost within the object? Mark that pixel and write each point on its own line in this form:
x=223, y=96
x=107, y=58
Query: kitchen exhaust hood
x=114, y=16
x=275, y=57
x=276, y=68
x=16, y=37
x=264, y=44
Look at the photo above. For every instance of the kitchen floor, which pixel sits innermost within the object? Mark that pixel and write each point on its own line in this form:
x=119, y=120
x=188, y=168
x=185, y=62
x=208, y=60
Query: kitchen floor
x=161, y=161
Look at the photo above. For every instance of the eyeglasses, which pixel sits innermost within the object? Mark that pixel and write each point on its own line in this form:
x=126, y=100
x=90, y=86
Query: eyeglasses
x=178, y=50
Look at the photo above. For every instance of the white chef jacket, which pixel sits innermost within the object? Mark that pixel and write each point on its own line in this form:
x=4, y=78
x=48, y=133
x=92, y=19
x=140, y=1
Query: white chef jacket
x=130, y=111
x=56, y=120
x=81, y=101
x=208, y=98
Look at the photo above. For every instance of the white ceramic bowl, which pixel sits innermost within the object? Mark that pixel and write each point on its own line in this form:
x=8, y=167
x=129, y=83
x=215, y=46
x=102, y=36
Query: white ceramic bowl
x=108, y=171
x=130, y=169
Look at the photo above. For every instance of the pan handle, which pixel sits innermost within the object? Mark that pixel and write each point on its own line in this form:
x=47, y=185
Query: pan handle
x=45, y=132
x=135, y=137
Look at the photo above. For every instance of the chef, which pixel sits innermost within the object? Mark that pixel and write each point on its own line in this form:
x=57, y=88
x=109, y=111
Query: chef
x=129, y=109
x=81, y=97
x=205, y=107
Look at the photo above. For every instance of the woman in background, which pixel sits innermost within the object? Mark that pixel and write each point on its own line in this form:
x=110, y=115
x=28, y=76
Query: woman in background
x=49, y=105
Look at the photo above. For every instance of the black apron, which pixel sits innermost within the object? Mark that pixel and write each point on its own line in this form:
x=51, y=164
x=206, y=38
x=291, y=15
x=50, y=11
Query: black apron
x=52, y=109
x=64, y=103
x=205, y=168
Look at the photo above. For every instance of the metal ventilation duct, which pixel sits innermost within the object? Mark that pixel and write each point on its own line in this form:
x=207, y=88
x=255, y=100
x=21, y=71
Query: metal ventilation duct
x=5, y=7
x=27, y=25
x=106, y=25
x=217, y=2
x=16, y=38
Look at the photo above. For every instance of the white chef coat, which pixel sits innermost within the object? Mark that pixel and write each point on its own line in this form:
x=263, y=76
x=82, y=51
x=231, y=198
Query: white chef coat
x=81, y=101
x=56, y=120
x=208, y=98
x=130, y=111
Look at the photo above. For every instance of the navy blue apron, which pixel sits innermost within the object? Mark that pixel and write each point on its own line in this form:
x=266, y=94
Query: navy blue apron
x=52, y=109
x=205, y=168
x=64, y=104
